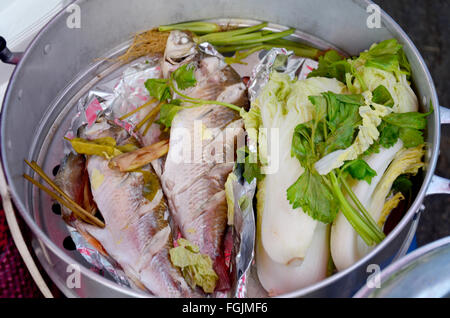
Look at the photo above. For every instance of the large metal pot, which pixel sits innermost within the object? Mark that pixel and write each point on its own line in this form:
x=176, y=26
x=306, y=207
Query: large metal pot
x=60, y=65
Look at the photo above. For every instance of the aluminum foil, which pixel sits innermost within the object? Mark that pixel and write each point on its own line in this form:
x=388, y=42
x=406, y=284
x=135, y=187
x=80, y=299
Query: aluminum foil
x=116, y=96
x=244, y=232
x=280, y=60
x=99, y=262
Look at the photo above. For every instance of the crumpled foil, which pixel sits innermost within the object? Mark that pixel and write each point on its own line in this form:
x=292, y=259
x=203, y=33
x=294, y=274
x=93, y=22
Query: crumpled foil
x=117, y=96
x=244, y=232
x=100, y=262
x=282, y=61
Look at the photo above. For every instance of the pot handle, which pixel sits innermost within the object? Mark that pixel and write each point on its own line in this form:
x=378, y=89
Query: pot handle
x=6, y=55
x=439, y=185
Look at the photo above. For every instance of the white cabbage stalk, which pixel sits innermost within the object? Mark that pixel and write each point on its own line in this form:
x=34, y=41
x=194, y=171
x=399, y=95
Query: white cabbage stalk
x=287, y=236
x=279, y=279
x=344, y=239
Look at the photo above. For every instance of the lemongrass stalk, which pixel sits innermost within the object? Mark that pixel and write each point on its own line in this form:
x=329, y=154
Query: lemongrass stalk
x=234, y=48
x=149, y=117
x=148, y=103
x=249, y=38
x=230, y=34
x=196, y=27
x=258, y=38
x=240, y=55
x=75, y=209
x=33, y=165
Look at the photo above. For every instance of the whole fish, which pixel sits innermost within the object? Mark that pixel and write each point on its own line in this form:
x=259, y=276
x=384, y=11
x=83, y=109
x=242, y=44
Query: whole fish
x=137, y=235
x=195, y=188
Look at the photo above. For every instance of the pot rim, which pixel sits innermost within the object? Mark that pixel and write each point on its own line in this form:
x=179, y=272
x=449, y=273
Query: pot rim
x=390, y=24
x=397, y=267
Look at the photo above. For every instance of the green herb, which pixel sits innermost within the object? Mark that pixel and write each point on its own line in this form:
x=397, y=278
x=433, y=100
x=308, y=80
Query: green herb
x=388, y=135
x=158, y=88
x=382, y=96
x=247, y=161
x=413, y=120
x=406, y=126
x=374, y=148
x=168, y=112
x=360, y=170
x=332, y=65
x=184, y=76
x=411, y=137
x=402, y=184
x=313, y=195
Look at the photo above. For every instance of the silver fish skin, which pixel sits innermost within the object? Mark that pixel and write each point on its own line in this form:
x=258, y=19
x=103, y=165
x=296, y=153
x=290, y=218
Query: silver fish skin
x=71, y=178
x=195, y=189
x=137, y=234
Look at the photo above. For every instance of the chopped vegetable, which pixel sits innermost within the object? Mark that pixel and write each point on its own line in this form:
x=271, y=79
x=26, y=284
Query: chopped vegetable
x=249, y=164
x=138, y=158
x=104, y=147
x=360, y=170
x=388, y=206
x=197, y=268
x=384, y=65
x=406, y=161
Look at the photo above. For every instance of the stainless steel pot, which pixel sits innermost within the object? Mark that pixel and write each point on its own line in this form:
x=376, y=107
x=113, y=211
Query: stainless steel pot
x=60, y=66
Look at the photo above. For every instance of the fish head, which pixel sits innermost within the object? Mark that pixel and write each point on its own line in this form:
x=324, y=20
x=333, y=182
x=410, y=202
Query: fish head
x=180, y=50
